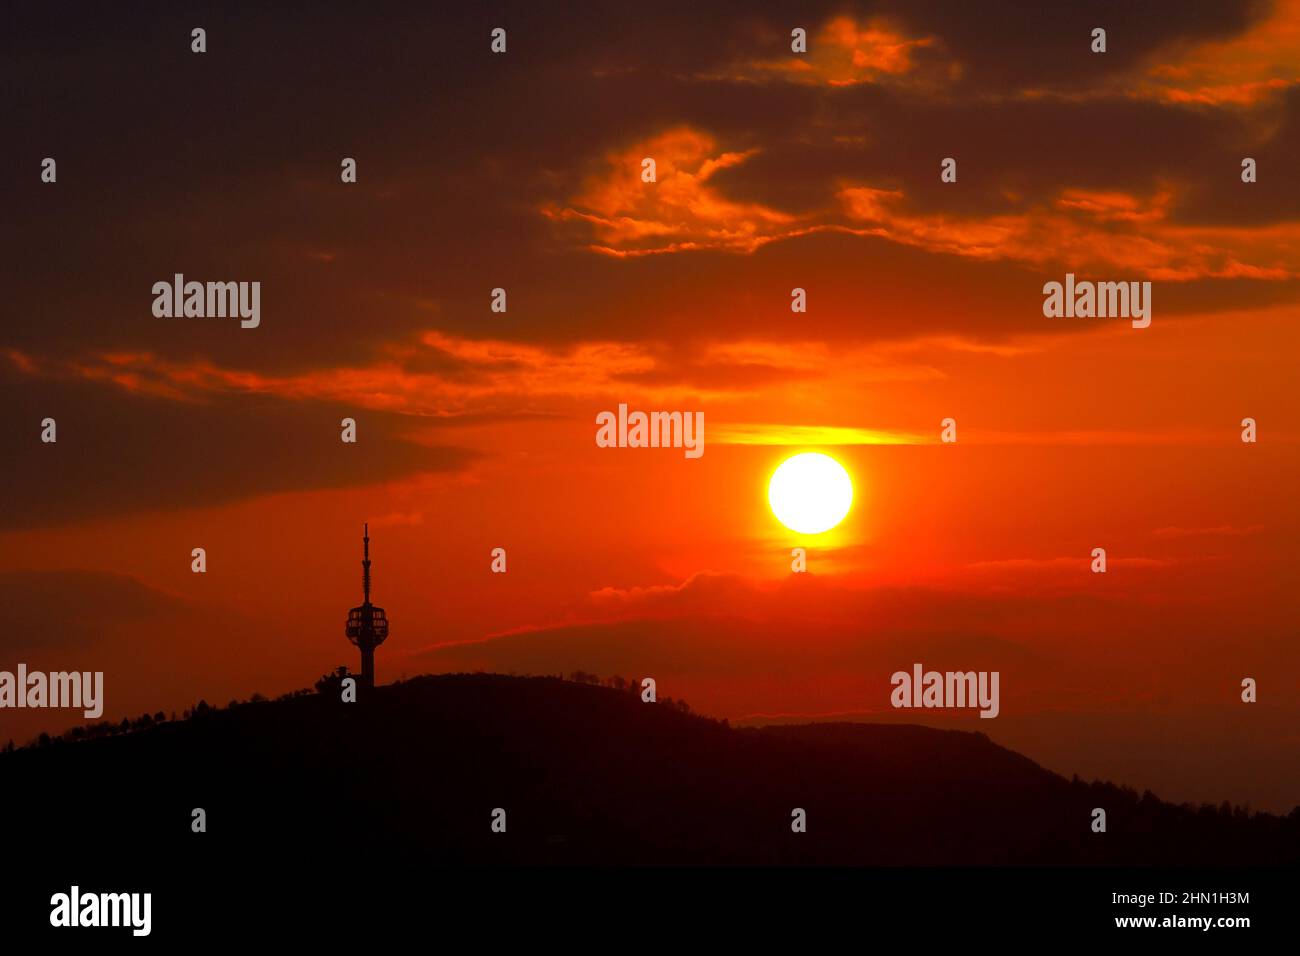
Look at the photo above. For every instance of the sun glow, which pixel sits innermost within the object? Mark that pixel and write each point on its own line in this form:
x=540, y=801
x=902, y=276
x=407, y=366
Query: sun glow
x=810, y=493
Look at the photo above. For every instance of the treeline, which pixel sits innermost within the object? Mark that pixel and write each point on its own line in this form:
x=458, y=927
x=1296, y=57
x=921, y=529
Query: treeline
x=1148, y=803
x=329, y=683
x=624, y=684
x=332, y=683
x=127, y=725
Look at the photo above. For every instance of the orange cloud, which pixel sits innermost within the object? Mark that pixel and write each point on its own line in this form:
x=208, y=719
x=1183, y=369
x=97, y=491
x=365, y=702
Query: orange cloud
x=680, y=211
x=481, y=371
x=846, y=53
x=761, y=433
x=757, y=433
x=1087, y=229
x=1069, y=563
x=441, y=375
x=1218, y=531
x=1242, y=71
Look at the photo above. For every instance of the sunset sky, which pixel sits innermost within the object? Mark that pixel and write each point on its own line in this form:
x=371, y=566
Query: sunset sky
x=476, y=429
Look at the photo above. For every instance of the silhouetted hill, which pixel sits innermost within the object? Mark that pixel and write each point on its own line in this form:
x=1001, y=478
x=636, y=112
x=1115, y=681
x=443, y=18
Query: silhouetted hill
x=586, y=774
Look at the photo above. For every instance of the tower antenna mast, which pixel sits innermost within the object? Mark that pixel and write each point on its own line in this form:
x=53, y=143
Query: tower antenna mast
x=365, y=561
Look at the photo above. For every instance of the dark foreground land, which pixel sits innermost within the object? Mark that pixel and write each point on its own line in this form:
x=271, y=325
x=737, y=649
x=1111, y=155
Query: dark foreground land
x=585, y=774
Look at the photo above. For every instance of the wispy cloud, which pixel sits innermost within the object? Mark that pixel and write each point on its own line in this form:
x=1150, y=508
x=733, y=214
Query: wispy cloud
x=771, y=434
x=1218, y=531
x=1072, y=562
x=1089, y=229
x=441, y=375
x=843, y=52
x=1239, y=71
x=680, y=211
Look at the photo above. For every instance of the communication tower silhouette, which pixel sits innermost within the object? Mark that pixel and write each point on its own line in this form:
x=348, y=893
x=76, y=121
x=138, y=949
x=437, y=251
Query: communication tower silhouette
x=367, y=625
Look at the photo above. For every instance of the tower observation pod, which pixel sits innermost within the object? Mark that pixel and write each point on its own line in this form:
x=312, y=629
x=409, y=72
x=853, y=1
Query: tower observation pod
x=367, y=626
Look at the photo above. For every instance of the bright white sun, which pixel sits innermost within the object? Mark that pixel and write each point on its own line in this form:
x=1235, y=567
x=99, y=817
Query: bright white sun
x=810, y=493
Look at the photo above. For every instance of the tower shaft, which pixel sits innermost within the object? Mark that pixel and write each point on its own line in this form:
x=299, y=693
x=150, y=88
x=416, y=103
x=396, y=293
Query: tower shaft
x=367, y=666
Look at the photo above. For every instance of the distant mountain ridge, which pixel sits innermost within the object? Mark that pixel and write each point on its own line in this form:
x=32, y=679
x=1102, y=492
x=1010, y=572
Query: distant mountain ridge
x=590, y=774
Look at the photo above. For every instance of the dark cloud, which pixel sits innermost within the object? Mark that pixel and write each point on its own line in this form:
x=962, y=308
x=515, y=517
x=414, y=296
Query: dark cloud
x=1210, y=173
x=1019, y=43
x=1033, y=149
x=726, y=626
x=155, y=649
x=120, y=453
x=42, y=614
x=225, y=166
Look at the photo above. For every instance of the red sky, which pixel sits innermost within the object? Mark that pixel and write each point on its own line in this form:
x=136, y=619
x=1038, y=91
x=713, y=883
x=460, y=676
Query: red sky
x=476, y=429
